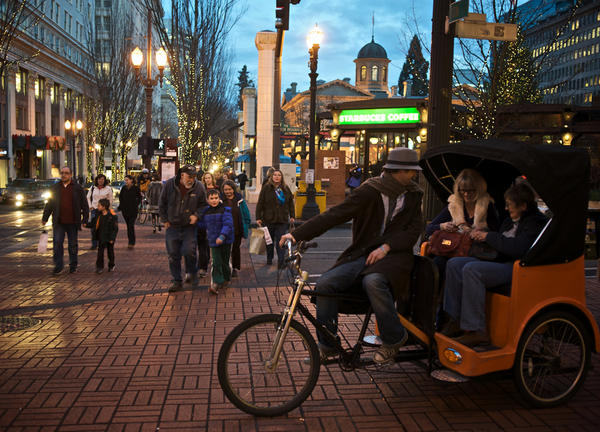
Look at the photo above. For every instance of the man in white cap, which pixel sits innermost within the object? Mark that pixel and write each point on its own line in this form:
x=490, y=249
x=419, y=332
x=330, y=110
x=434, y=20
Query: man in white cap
x=386, y=223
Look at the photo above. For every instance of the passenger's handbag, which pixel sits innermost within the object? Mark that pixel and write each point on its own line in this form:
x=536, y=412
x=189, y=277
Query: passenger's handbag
x=450, y=244
x=483, y=251
x=43, y=243
x=258, y=246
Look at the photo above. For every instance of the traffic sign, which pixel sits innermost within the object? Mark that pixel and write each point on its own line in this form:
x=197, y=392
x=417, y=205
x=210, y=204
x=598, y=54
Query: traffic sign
x=458, y=10
x=487, y=31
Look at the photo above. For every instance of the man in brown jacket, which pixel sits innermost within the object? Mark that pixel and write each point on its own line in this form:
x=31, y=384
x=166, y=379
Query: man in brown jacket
x=386, y=223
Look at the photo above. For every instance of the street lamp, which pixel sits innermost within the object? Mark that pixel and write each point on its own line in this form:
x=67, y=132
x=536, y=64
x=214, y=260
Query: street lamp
x=137, y=58
x=313, y=39
x=74, y=128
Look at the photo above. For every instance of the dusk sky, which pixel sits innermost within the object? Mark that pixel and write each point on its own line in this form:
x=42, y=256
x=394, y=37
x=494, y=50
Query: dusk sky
x=346, y=25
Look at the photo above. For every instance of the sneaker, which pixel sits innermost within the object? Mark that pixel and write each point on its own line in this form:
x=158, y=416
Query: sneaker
x=72, y=269
x=234, y=273
x=473, y=339
x=153, y=230
x=213, y=288
x=201, y=273
x=99, y=270
x=130, y=246
x=176, y=286
x=451, y=328
x=325, y=353
x=191, y=279
x=57, y=270
x=387, y=353
x=111, y=268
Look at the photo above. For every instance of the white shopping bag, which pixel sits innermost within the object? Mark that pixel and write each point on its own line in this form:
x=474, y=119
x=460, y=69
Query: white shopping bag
x=43, y=243
x=268, y=239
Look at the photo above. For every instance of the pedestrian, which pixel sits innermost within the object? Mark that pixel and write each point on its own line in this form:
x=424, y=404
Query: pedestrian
x=275, y=209
x=153, y=196
x=241, y=222
x=209, y=183
x=218, y=222
x=242, y=180
x=106, y=227
x=69, y=209
x=130, y=198
x=99, y=190
x=386, y=223
x=268, y=176
x=144, y=181
x=181, y=199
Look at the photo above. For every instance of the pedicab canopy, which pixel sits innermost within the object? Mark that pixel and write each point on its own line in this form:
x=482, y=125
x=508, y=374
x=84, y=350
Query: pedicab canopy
x=560, y=176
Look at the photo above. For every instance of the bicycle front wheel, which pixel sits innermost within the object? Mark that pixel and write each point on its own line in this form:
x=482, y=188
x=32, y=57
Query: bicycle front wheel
x=244, y=372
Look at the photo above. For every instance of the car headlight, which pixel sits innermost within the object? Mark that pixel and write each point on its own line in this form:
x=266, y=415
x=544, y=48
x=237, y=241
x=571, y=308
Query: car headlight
x=46, y=195
x=19, y=197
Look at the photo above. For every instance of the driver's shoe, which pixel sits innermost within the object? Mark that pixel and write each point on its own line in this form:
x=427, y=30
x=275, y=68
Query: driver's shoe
x=387, y=353
x=325, y=353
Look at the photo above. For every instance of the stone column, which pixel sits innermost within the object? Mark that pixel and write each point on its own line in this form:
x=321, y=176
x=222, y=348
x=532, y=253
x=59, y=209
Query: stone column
x=48, y=127
x=11, y=119
x=31, y=77
x=249, y=106
x=265, y=43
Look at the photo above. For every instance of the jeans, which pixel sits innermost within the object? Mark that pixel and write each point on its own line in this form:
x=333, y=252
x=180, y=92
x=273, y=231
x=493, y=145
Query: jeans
x=58, y=238
x=236, y=257
x=276, y=230
x=203, y=250
x=221, y=271
x=110, y=252
x=181, y=241
x=130, y=221
x=341, y=279
x=467, y=279
x=92, y=217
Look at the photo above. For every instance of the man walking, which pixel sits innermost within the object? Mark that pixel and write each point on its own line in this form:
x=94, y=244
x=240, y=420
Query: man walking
x=69, y=209
x=386, y=223
x=181, y=199
x=242, y=180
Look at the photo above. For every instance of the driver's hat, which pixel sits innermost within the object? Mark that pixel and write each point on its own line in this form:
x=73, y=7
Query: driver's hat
x=402, y=158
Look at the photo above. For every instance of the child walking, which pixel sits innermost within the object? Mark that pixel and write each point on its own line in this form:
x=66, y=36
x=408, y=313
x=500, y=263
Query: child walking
x=218, y=223
x=106, y=227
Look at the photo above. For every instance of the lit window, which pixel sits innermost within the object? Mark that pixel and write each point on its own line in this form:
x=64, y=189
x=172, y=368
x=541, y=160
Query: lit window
x=363, y=73
x=374, y=73
x=37, y=88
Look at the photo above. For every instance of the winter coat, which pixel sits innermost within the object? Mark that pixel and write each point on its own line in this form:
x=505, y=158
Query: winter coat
x=95, y=194
x=366, y=208
x=485, y=217
x=218, y=223
x=106, y=227
x=153, y=195
x=174, y=208
x=529, y=227
x=268, y=209
x=81, y=209
x=129, y=200
x=244, y=213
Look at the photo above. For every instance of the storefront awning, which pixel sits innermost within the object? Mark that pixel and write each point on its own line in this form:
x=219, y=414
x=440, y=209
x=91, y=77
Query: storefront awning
x=242, y=158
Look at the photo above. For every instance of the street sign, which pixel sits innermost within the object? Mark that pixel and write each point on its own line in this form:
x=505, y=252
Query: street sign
x=458, y=10
x=488, y=31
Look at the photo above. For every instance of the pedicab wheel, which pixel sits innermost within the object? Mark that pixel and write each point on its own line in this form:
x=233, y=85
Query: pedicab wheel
x=552, y=359
x=243, y=370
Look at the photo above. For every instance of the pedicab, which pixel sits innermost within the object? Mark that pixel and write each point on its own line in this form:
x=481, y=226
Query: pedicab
x=539, y=326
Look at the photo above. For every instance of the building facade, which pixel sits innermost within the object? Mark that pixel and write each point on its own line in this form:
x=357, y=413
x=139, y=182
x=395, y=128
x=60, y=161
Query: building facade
x=45, y=89
x=565, y=40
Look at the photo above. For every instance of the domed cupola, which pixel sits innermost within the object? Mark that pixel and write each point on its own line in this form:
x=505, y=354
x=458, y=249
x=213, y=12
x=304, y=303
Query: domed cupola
x=372, y=69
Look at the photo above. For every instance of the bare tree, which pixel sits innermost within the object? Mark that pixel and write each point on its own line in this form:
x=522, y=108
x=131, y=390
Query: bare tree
x=196, y=40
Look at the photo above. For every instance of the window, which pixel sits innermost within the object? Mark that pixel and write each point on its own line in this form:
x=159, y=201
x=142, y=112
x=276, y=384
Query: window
x=54, y=93
x=374, y=73
x=21, y=82
x=40, y=86
x=384, y=73
x=21, y=117
x=363, y=73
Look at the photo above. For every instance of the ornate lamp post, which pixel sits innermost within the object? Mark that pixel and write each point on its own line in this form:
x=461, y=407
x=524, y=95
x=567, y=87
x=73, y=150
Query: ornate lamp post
x=137, y=58
x=74, y=128
x=314, y=38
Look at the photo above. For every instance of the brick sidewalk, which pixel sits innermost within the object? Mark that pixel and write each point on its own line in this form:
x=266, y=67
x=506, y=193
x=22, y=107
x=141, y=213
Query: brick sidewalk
x=117, y=352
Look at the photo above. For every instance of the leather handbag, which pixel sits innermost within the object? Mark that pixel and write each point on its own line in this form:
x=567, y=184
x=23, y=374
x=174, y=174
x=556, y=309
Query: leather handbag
x=450, y=244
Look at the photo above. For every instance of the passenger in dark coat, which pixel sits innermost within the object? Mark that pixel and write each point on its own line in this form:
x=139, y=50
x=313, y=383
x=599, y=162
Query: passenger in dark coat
x=387, y=222
x=129, y=203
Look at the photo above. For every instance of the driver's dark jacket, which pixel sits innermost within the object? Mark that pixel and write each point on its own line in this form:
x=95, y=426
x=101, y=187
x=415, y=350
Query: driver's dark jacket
x=530, y=225
x=366, y=210
x=174, y=208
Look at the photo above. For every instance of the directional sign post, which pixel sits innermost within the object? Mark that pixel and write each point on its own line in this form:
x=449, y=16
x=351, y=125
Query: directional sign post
x=458, y=10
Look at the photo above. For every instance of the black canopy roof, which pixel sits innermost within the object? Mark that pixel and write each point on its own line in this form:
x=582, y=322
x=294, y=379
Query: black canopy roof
x=560, y=176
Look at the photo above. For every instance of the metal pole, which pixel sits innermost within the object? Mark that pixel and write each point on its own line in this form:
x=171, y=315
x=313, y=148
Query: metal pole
x=73, y=155
x=277, y=100
x=311, y=208
x=146, y=158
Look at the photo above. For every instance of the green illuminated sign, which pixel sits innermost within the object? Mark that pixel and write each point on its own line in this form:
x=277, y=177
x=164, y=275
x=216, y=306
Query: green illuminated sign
x=379, y=116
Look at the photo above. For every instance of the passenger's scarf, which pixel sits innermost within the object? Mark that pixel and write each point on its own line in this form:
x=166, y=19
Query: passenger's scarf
x=280, y=196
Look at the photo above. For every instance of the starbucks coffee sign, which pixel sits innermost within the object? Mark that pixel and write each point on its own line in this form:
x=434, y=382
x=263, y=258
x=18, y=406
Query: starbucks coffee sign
x=379, y=116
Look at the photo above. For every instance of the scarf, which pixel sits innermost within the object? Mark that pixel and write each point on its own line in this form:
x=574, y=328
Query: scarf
x=280, y=196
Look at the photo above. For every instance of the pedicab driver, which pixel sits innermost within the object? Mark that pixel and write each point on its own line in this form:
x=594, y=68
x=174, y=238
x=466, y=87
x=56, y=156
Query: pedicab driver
x=386, y=222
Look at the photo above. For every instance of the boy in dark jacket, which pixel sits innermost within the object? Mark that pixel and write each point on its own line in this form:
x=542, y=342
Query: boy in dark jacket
x=106, y=227
x=217, y=220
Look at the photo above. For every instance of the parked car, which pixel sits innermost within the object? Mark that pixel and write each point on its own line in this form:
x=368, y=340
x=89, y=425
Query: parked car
x=116, y=187
x=24, y=192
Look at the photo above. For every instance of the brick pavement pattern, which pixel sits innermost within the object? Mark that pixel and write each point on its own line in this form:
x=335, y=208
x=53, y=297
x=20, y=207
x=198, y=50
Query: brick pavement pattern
x=117, y=352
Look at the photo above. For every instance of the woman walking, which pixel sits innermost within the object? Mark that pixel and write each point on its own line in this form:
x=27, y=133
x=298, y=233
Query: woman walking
x=232, y=198
x=129, y=203
x=98, y=191
x=275, y=209
x=153, y=195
